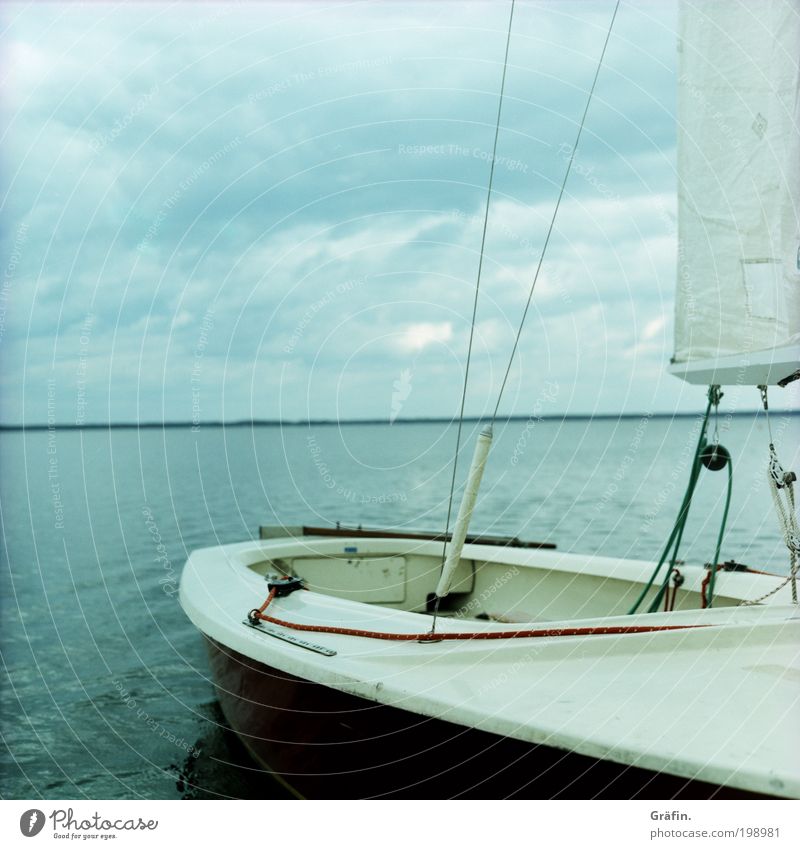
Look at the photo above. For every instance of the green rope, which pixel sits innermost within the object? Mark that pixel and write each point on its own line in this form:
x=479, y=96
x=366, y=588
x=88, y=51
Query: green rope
x=719, y=537
x=676, y=535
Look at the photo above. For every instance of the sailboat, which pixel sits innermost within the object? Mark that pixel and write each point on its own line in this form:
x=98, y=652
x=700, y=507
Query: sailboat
x=359, y=663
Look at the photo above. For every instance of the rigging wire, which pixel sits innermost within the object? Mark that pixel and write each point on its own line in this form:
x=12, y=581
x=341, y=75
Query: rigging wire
x=781, y=485
x=475, y=300
x=538, y=267
x=555, y=209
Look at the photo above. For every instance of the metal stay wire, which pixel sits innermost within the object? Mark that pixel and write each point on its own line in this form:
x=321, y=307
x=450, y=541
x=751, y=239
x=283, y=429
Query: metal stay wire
x=538, y=266
x=475, y=300
x=555, y=210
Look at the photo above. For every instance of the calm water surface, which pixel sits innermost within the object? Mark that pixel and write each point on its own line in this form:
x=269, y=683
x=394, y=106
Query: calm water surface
x=106, y=691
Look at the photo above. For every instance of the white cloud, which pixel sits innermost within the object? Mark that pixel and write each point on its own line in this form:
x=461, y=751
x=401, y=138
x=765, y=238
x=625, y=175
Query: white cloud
x=360, y=163
x=417, y=337
x=653, y=328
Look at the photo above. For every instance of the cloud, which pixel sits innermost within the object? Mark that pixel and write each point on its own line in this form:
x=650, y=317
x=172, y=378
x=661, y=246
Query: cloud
x=301, y=189
x=416, y=337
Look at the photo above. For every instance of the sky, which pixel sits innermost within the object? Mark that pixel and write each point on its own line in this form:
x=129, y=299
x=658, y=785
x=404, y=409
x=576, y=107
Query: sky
x=274, y=211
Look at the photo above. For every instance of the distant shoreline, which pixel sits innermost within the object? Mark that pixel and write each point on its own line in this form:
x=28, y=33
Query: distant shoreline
x=350, y=422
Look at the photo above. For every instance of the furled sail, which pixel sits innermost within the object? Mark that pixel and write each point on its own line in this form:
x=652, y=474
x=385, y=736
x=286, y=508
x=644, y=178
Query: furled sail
x=738, y=288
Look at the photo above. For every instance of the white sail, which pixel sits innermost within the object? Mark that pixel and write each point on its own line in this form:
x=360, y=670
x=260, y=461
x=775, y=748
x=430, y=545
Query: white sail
x=738, y=292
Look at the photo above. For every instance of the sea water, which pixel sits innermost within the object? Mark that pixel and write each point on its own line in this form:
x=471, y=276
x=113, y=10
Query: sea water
x=106, y=691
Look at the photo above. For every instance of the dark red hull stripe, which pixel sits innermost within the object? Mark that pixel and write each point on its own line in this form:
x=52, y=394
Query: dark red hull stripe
x=529, y=633
x=332, y=745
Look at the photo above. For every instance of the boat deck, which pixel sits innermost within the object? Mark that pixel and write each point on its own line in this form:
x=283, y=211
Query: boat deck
x=716, y=704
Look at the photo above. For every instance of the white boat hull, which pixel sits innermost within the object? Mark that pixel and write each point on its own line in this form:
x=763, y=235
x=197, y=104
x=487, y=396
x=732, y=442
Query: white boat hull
x=714, y=704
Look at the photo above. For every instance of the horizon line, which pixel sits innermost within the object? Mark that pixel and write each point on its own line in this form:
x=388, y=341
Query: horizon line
x=152, y=425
